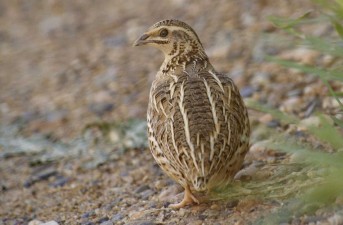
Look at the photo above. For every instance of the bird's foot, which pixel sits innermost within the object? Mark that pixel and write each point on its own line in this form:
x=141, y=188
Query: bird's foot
x=188, y=198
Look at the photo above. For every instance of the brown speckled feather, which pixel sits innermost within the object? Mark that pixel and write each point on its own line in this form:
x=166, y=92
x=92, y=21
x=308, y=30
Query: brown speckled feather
x=196, y=130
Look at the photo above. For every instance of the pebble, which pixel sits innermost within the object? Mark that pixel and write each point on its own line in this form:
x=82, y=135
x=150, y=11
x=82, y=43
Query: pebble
x=265, y=118
x=291, y=104
x=117, y=217
x=146, y=194
x=50, y=223
x=182, y=212
x=88, y=223
x=160, y=184
x=294, y=93
x=273, y=124
x=196, y=222
x=101, y=108
x=312, y=121
x=247, y=91
x=35, y=222
x=103, y=219
x=137, y=215
x=331, y=103
x=336, y=219
x=169, y=193
x=142, y=222
x=142, y=188
x=215, y=207
x=259, y=148
x=302, y=55
x=107, y=223
x=261, y=79
x=60, y=182
x=56, y=115
x=311, y=107
x=38, y=222
x=247, y=173
x=41, y=173
x=88, y=214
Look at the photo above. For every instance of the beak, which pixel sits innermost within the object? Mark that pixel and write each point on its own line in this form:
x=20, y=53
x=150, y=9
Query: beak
x=141, y=40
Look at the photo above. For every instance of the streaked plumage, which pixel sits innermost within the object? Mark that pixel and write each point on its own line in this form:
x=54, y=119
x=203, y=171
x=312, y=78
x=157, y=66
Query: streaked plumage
x=198, y=125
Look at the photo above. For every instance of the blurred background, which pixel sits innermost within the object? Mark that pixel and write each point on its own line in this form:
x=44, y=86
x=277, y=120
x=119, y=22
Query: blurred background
x=68, y=63
x=74, y=93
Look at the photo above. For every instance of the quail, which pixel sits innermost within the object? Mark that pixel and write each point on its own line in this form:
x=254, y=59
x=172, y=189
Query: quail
x=198, y=125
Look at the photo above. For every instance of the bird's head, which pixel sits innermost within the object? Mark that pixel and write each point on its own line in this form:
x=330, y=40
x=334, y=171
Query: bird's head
x=173, y=38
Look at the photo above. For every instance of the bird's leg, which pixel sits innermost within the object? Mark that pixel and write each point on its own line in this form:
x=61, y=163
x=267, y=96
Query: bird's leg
x=188, y=198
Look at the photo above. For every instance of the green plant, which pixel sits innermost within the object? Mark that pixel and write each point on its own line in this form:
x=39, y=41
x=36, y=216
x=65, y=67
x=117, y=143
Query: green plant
x=327, y=167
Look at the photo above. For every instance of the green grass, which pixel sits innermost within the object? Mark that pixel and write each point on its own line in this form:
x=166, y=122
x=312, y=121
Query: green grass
x=306, y=194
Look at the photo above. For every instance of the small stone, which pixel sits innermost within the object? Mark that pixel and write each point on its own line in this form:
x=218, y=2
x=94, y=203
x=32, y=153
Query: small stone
x=38, y=222
x=302, y=55
x=101, y=108
x=107, y=223
x=261, y=79
x=331, y=103
x=35, y=222
x=142, y=188
x=336, y=219
x=215, y=207
x=247, y=173
x=196, y=222
x=88, y=223
x=247, y=204
x=88, y=214
x=299, y=134
x=312, y=121
x=169, y=193
x=247, y=91
x=141, y=222
x=60, y=182
x=259, y=148
x=311, y=107
x=117, y=217
x=265, y=118
x=273, y=124
x=137, y=215
x=290, y=104
x=101, y=220
x=146, y=194
x=182, y=212
x=50, y=223
x=41, y=173
x=294, y=93
x=160, y=184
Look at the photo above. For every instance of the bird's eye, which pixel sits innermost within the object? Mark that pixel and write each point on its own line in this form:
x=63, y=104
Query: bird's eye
x=163, y=33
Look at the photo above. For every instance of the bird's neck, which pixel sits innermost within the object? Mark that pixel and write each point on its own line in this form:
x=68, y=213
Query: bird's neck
x=184, y=57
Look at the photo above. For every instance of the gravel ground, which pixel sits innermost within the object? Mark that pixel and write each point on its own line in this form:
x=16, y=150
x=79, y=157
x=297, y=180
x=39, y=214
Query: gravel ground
x=71, y=84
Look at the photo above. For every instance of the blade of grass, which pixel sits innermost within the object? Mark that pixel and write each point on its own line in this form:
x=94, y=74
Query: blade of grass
x=274, y=112
x=339, y=29
x=323, y=46
x=325, y=74
x=327, y=133
x=333, y=93
x=337, y=121
x=284, y=23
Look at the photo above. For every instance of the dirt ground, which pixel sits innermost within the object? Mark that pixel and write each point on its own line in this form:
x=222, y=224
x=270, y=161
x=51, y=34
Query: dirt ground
x=73, y=100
